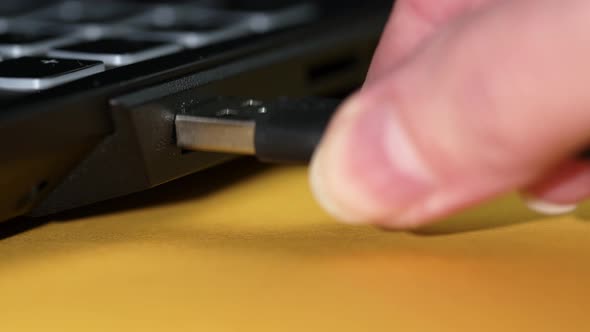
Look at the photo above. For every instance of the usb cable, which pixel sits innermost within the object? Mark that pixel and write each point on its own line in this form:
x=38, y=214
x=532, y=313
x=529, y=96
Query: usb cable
x=284, y=130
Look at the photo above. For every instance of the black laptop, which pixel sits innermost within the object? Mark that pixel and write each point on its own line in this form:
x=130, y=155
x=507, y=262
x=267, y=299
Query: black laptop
x=89, y=89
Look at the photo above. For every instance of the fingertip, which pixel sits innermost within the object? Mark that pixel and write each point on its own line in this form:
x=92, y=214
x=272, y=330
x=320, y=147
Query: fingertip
x=365, y=170
x=322, y=192
x=331, y=181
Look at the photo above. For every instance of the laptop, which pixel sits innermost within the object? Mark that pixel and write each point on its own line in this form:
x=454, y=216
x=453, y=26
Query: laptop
x=89, y=89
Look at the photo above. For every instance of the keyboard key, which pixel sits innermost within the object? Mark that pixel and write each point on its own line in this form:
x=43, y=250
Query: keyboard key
x=259, y=5
x=187, y=18
x=116, y=52
x=22, y=38
x=87, y=12
x=252, y=16
x=12, y=8
x=39, y=73
x=266, y=21
x=15, y=44
x=88, y=19
x=191, y=26
x=195, y=25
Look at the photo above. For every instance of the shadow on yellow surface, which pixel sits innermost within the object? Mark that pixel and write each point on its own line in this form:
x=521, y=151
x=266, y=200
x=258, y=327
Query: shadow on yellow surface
x=190, y=187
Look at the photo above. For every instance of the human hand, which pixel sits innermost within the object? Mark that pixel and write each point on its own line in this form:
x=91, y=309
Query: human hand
x=465, y=100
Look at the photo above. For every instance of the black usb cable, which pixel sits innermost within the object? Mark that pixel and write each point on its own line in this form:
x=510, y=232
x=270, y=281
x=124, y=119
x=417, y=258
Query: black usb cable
x=284, y=130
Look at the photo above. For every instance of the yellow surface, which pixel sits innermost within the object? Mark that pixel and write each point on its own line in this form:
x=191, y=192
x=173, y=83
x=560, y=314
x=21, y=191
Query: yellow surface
x=252, y=252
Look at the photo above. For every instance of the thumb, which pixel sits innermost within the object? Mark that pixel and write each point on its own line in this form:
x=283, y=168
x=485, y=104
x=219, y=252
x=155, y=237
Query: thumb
x=491, y=104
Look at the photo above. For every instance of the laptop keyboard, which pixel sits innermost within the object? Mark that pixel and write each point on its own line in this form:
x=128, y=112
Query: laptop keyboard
x=64, y=42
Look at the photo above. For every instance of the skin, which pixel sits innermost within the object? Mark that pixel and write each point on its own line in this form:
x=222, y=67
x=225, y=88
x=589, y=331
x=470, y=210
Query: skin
x=465, y=100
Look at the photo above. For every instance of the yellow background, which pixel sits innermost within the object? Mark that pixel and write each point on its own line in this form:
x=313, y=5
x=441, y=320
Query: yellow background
x=244, y=248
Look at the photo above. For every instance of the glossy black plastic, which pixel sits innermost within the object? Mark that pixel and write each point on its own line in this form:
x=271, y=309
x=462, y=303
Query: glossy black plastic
x=289, y=130
x=41, y=67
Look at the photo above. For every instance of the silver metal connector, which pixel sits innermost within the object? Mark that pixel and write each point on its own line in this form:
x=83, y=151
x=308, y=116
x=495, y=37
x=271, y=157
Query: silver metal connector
x=284, y=130
x=221, y=125
x=215, y=134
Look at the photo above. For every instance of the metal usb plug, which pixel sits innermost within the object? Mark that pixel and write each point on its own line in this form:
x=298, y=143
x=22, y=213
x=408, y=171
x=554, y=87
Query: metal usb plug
x=283, y=130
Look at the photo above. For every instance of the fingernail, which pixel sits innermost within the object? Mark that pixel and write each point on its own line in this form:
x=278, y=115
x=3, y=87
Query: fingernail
x=548, y=208
x=367, y=168
x=327, y=200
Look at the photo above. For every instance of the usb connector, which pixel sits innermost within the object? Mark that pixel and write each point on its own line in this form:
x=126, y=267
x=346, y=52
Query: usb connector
x=282, y=130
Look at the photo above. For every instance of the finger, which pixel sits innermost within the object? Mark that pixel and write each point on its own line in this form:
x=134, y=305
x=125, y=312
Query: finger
x=411, y=22
x=494, y=102
x=561, y=190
